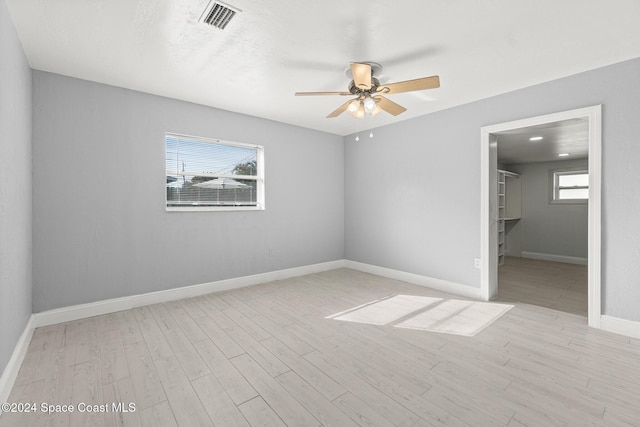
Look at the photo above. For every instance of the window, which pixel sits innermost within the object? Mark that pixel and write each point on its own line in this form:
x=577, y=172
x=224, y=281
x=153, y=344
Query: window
x=569, y=186
x=210, y=174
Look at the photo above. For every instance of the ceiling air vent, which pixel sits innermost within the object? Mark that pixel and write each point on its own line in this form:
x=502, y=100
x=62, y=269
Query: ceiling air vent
x=218, y=14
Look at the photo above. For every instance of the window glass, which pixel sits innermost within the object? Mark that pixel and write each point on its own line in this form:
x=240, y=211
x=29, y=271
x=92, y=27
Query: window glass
x=573, y=193
x=566, y=180
x=569, y=186
x=210, y=174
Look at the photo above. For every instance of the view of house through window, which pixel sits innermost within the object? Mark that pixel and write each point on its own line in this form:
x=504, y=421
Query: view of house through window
x=210, y=174
x=570, y=186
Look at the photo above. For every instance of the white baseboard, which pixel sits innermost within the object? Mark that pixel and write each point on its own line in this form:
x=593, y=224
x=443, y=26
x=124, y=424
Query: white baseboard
x=416, y=279
x=555, y=258
x=616, y=325
x=13, y=367
x=81, y=311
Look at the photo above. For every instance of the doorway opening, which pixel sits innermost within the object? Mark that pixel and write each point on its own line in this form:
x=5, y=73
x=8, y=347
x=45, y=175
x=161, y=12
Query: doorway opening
x=493, y=215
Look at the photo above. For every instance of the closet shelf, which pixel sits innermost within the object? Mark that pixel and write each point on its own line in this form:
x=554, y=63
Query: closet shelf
x=509, y=206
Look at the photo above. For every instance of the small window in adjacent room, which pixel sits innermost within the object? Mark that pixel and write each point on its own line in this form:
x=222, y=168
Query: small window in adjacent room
x=569, y=186
x=211, y=174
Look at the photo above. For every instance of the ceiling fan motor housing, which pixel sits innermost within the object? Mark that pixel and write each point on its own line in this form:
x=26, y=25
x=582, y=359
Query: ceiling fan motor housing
x=354, y=89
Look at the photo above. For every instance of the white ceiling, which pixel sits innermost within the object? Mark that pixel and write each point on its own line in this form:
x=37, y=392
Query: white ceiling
x=569, y=137
x=274, y=48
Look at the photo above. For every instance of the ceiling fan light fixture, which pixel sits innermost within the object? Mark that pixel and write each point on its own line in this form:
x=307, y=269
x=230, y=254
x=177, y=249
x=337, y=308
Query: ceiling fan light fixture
x=369, y=104
x=354, y=106
x=360, y=113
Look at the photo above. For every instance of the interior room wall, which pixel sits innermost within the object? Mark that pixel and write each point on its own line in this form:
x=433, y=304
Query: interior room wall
x=15, y=188
x=548, y=228
x=413, y=192
x=100, y=226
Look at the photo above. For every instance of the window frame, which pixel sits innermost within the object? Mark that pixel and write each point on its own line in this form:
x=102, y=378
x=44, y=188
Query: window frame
x=554, y=188
x=259, y=177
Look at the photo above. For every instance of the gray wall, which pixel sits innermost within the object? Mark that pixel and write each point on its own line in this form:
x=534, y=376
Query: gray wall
x=548, y=228
x=100, y=226
x=413, y=192
x=15, y=188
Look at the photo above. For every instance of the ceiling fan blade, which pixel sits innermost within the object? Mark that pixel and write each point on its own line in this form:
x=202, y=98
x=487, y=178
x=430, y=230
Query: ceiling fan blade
x=322, y=93
x=390, y=106
x=341, y=109
x=410, y=85
x=361, y=75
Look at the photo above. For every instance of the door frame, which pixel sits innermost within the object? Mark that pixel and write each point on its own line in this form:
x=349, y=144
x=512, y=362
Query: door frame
x=489, y=197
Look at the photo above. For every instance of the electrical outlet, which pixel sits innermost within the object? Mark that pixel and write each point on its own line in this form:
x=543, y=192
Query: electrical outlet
x=476, y=262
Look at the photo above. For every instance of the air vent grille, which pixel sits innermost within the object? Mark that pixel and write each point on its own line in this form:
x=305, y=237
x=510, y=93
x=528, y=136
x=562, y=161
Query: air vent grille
x=218, y=14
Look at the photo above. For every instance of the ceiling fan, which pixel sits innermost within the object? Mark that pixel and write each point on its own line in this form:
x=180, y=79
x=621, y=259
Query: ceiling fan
x=368, y=91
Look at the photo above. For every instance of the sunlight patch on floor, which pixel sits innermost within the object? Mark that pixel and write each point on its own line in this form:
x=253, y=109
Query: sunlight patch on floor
x=386, y=310
x=449, y=316
x=457, y=317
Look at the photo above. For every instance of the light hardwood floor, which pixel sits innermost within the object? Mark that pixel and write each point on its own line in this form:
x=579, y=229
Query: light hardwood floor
x=266, y=356
x=549, y=284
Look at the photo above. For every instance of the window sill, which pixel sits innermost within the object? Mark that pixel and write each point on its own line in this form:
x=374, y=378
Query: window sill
x=569, y=202
x=214, y=208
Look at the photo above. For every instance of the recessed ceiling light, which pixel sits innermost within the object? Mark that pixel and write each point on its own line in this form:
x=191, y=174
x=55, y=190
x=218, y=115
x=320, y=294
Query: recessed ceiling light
x=535, y=138
x=563, y=154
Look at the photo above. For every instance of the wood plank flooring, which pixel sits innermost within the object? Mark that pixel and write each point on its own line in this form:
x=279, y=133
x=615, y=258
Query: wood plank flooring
x=549, y=284
x=266, y=356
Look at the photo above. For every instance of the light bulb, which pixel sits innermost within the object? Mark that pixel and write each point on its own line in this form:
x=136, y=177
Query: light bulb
x=369, y=104
x=360, y=113
x=354, y=105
